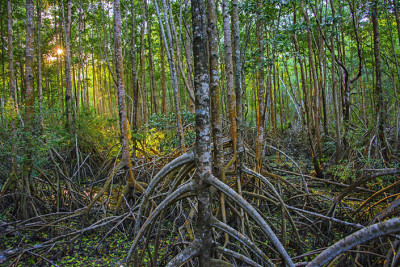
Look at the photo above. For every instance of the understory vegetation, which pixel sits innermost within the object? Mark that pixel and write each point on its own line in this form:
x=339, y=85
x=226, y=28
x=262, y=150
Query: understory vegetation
x=68, y=171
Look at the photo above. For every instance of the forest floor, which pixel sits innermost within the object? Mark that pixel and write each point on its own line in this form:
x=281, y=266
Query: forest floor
x=105, y=238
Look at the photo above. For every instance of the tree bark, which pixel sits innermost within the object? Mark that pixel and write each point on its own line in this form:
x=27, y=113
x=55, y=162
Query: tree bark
x=260, y=90
x=380, y=109
x=152, y=79
x=29, y=53
x=39, y=55
x=123, y=121
x=308, y=116
x=13, y=91
x=142, y=88
x=69, y=103
x=135, y=93
x=175, y=86
x=164, y=107
x=28, y=210
x=186, y=80
x=203, y=134
x=230, y=90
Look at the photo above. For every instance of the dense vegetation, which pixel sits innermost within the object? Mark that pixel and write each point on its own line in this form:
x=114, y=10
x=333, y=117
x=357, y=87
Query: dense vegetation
x=152, y=133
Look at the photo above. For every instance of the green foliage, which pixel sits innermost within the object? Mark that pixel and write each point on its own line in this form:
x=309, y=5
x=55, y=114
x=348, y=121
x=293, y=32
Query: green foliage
x=167, y=124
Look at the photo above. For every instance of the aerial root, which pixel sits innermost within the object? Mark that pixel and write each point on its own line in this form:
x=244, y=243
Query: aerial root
x=359, y=237
x=254, y=214
x=242, y=239
x=237, y=256
x=154, y=215
x=278, y=196
x=170, y=167
x=185, y=255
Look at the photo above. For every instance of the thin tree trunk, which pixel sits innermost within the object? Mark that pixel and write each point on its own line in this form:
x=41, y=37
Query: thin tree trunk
x=230, y=90
x=29, y=50
x=336, y=107
x=69, y=103
x=142, y=89
x=13, y=91
x=94, y=82
x=164, y=107
x=308, y=116
x=135, y=92
x=27, y=210
x=80, y=64
x=175, y=87
x=260, y=90
x=313, y=76
x=380, y=108
x=123, y=121
x=39, y=56
x=187, y=82
x=152, y=84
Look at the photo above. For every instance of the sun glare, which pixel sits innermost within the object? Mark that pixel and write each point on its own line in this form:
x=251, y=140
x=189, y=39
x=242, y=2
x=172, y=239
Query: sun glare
x=59, y=51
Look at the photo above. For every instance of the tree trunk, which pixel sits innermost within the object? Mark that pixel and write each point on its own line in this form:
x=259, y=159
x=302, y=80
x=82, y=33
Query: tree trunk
x=230, y=90
x=143, y=101
x=13, y=91
x=123, y=121
x=203, y=138
x=29, y=50
x=380, y=108
x=27, y=210
x=175, y=87
x=216, y=122
x=135, y=92
x=186, y=81
x=315, y=113
x=39, y=56
x=260, y=90
x=152, y=84
x=164, y=107
x=308, y=116
x=69, y=103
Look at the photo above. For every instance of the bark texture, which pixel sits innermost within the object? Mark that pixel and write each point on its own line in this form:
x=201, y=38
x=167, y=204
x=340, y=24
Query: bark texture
x=123, y=121
x=203, y=133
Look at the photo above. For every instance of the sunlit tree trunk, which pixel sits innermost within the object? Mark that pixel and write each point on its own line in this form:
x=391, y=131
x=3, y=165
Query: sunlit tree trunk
x=175, y=86
x=230, y=83
x=135, y=92
x=13, y=91
x=81, y=59
x=69, y=103
x=94, y=82
x=260, y=89
x=29, y=53
x=186, y=80
x=123, y=121
x=151, y=65
x=39, y=58
x=143, y=95
x=164, y=107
